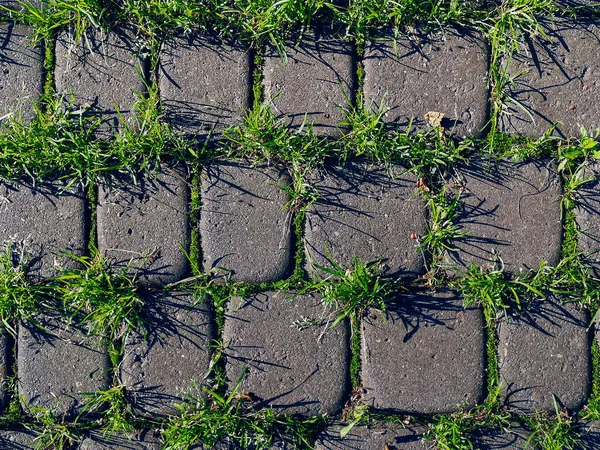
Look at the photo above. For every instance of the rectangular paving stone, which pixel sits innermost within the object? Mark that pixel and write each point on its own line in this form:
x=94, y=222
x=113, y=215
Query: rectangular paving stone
x=296, y=370
x=17, y=440
x=44, y=220
x=57, y=364
x=368, y=212
x=510, y=211
x=559, y=367
x=103, y=72
x=245, y=230
x=136, y=440
x=205, y=83
x=21, y=72
x=144, y=224
x=589, y=434
x=421, y=73
x=312, y=83
x=557, y=81
x=380, y=436
x=587, y=215
x=426, y=356
x=161, y=367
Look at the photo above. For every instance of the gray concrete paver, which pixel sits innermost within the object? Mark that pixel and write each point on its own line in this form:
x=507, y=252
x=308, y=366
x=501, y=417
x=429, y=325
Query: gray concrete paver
x=426, y=356
x=545, y=354
x=422, y=73
x=244, y=221
x=173, y=357
x=296, y=370
x=144, y=226
x=363, y=437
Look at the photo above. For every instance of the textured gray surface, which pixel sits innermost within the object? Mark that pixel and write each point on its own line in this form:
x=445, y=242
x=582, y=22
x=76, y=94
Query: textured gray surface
x=423, y=73
x=244, y=228
x=5, y=357
x=16, y=5
x=21, y=66
x=511, y=211
x=364, y=212
x=589, y=434
x=426, y=357
x=136, y=440
x=56, y=365
x=145, y=225
x=587, y=214
x=104, y=81
x=560, y=82
x=312, y=83
x=173, y=357
x=17, y=440
x=204, y=83
x=297, y=371
x=372, y=438
x=44, y=220
x=513, y=438
x=544, y=354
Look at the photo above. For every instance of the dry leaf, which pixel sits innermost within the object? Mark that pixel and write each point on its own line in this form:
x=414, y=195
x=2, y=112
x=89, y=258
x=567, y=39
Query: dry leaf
x=434, y=118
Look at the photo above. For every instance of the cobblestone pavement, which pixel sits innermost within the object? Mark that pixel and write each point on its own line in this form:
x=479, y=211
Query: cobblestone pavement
x=427, y=355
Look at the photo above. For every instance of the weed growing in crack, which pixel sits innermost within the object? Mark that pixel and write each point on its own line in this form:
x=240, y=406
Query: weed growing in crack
x=113, y=407
x=348, y=292
x=19, y=300
x=211, y=418
x=51, y=431
x=106, y=301
x=552, y=432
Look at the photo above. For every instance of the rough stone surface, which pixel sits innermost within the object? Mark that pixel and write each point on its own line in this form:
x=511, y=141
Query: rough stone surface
x=510, y=211
x=311, y=85
x=173, y=357
x=366, y=438
x=145, y=225
x=589, y=434
x=5, y=350
x=55, y=365
x=15, y=5
x=429, y=73
x=17, y=440
x=103, y=73
x=426, y=357
x=244, y=228
x=366, y=212
x=43, y=220
x=587, y=214
x=204, y=83
x=21, y=79
x=298, y=371
x=545, y=354
x=514, y=438
x=138, y=440
x=560, y=82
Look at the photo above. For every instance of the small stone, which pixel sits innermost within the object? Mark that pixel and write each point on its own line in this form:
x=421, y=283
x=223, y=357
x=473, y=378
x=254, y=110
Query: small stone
x=44, y=222
x=103, y=73
x=174, y=356
x=57, y=364
x=559, y=367
x=292, y=368
x=555, y=80
x=413, y=74
x=144, y=225
x=204, y=83
x=244, y=220
x=511, y=212
x=379, y=437
x=312, y=83
x=21, y=68
x=367, y=212
x=426, y=356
